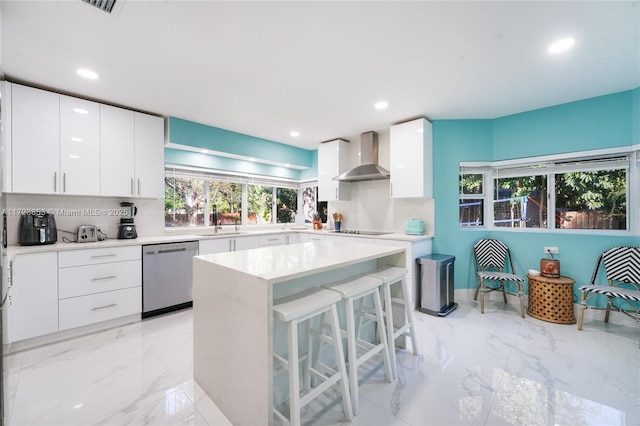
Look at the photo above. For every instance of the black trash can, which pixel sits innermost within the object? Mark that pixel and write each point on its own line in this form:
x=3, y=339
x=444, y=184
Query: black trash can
x=436, y=284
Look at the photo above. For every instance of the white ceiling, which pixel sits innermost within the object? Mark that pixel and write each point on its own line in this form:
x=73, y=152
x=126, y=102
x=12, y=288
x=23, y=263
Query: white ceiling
x=266, y=68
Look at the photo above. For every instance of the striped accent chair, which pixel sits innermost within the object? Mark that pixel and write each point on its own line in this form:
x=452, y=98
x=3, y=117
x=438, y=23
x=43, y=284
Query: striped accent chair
x=622, y=268
x=490, y=258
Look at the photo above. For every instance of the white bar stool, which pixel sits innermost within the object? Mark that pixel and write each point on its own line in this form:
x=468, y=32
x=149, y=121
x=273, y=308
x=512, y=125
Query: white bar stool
x=293, y=310
x=391, y=275
x=350, y=290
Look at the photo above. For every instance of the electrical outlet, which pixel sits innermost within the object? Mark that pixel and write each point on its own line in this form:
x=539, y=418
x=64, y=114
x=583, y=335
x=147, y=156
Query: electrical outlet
x=551, y=250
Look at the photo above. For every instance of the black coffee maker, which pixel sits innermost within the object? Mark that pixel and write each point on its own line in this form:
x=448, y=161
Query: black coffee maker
x=126, y=228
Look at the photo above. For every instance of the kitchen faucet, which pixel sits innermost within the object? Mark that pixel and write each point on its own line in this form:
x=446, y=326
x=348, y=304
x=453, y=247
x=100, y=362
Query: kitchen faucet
x=216, y=224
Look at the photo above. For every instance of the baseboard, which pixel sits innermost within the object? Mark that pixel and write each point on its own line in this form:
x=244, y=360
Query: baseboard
x=466, y=294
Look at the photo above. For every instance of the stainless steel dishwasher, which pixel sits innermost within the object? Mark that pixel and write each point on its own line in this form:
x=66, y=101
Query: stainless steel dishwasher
x=167, y=277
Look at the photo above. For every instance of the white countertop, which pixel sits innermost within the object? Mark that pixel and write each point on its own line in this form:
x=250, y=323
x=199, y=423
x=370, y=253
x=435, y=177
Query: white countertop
x=281, y=263
x=170, y=237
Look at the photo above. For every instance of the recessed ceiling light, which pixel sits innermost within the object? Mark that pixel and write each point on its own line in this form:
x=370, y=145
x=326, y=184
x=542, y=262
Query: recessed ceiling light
x=80, y=111
x=561, y=45
x=294, y=133
x=87, y=73
x=381, y=105
x=76, y=139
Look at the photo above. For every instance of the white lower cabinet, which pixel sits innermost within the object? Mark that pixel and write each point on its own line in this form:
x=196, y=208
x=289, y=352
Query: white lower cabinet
x=222, y=245
x=99, y=284
x=93, y=308
x=34, y=295
x=293, y=238
x=273, y=240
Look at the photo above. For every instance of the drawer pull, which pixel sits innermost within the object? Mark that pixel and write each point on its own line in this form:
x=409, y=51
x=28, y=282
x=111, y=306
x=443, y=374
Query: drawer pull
x=274, y=239
x=110, y=277
x=98, y=256
x=104, y=307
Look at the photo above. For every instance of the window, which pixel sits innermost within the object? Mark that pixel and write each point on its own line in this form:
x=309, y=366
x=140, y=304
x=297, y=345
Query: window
x=260, y=199
x=591, y=199
x=520, y=202
x=471, y=199
x=195, y=197
x=570, y=191
x=225, y=200
x=183, y=201
x=310, y=205
x=286, y=205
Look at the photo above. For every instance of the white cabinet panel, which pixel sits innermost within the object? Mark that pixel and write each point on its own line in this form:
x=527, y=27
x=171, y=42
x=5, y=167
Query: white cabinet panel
x=79, y=146
x=333, y=159
x=35, y=140
x=89, y=279
x=293, y=238
x=273, y=240
x=411, y=158
x=93, y=308
x=34, y=293
x=222, y=245
x=245, y=243
x=149, y=156
x=117, y=151
x=99, y=255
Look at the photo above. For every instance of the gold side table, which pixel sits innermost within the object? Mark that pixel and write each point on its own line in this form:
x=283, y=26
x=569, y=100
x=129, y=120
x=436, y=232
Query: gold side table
x=551, y=299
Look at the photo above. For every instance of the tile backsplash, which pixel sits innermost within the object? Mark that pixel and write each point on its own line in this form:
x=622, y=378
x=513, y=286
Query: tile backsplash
x=73, y=211
x=371, y=208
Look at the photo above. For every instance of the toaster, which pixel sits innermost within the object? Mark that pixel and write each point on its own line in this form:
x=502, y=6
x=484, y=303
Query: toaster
x=37, y=229
x=86, y=233
x=414, y=227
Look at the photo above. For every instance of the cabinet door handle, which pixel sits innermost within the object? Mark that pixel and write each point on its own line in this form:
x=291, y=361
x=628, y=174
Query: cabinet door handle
x=139, y=184
x=230, y=249
x=64, y=182
x=132, y=191
x=110, y=277
x=55, y=181
x=336, y=192
x=287, y=240
x=98, y=256
x=172, y=250
x=104, y=307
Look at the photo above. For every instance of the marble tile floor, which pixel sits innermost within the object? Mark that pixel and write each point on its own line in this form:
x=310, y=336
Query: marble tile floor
x=491, y=369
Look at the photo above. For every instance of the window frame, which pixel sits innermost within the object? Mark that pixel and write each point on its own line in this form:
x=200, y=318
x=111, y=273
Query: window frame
x=603, y=159
x=208, y=175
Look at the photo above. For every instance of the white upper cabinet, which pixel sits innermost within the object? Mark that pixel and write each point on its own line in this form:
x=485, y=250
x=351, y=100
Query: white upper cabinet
x=35, y=140
x=333, y=159
x=132, y=153
x=57, y=144
x=117, y=151
x=149, y=155
x=411, y=157
x=79, y=146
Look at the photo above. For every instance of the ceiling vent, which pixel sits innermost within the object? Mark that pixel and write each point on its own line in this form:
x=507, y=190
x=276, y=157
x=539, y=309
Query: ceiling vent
x=104, y=5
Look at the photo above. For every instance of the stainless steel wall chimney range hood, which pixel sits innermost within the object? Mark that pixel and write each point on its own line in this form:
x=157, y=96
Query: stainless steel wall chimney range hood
x=368, y=168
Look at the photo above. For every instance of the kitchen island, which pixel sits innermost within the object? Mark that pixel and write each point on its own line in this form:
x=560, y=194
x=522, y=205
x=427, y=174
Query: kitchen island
x=233, y=325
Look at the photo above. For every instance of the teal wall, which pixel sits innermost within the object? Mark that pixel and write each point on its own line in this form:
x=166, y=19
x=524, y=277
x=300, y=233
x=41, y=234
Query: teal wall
x=312, y=172
x=201, y=136
x=602, y=122
x=195, y=159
